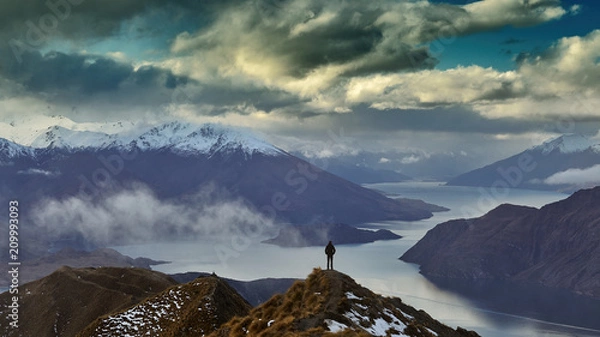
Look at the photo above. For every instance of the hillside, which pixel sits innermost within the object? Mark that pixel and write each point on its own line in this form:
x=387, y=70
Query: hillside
x=556, y=246
x=332, y=303
x=196, y=308
x=65, y=302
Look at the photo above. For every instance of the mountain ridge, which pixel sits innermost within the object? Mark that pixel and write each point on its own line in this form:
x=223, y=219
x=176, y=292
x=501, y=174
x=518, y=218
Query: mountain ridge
x=66, y=301
x=565, y=163
x=116, y=302
x=557, y=245
x=195, y=308
x=329, y=302
x=180, y=137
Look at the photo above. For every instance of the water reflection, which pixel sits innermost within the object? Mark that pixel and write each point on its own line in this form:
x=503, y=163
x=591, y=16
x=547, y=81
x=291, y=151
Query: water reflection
x=533, y=301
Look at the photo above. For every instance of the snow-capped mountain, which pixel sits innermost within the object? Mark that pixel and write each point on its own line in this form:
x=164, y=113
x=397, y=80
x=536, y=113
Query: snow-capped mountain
x=209, y=138
x=60, y=137
x=175, y=162
x=567, y=163
x=183, y=138
x=568, y=143
x=10, y=150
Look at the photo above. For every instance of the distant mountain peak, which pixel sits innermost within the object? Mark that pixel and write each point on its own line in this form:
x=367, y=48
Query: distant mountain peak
x=206, y=138
x=565, y=163
x=567, y=143
x=10, y=149
x=180, y=137
x=60, y=137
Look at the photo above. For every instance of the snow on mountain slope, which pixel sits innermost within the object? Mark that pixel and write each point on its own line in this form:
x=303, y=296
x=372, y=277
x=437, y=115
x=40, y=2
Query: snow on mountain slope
x=208, y=138
x=9, y=149
x=60, y=137
x=196, y=308
x=329, y=303
x=182, y=138
x=568, y=143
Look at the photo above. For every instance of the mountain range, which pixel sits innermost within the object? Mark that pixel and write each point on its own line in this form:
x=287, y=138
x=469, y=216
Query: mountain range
x=557, y=246
x=177, y=160
x=566, y=163
x=136, y=302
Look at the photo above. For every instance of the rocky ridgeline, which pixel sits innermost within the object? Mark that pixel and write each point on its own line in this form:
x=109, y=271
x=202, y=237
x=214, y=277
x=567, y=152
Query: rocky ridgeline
x=136, y=302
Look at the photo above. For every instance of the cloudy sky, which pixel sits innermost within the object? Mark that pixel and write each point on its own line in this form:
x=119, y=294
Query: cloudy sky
x=482, y=78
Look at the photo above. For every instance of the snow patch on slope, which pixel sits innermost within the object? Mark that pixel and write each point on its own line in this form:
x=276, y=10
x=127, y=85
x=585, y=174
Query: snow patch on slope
x=386, y=323
x=149, y=318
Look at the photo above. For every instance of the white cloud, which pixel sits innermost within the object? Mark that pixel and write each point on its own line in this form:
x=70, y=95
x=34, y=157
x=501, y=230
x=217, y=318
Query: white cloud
x=498, y=13
x=563, y=80
x=33, y=171
x=580, y=177
x=570, y=65
x=434, y=87
x=136, y=214
x=320, y=45
x=411, y=159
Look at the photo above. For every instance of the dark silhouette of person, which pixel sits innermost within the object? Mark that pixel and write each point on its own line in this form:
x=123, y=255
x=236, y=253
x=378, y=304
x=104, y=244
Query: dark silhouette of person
x=330, y=250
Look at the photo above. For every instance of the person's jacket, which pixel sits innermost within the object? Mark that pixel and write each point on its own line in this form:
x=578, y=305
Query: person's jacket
x=330, y=249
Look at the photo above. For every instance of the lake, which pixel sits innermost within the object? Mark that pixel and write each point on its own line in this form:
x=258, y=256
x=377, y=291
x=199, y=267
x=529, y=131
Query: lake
x=493, y=310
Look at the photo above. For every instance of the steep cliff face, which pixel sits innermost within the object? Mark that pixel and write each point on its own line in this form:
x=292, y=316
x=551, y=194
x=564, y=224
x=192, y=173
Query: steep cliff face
x=557, y=245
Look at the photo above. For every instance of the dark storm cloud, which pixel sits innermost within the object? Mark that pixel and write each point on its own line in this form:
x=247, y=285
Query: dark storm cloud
x=57, y=72
x=146, y=76
x=303, y=36
x=282, y=42
x=90, y=18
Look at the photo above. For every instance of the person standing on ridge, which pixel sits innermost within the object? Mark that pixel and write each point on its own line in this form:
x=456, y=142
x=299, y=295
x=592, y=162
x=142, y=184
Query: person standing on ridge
x=330, y=250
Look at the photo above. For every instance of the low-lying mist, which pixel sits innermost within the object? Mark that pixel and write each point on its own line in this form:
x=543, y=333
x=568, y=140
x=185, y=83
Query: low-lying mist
x=135, y=215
